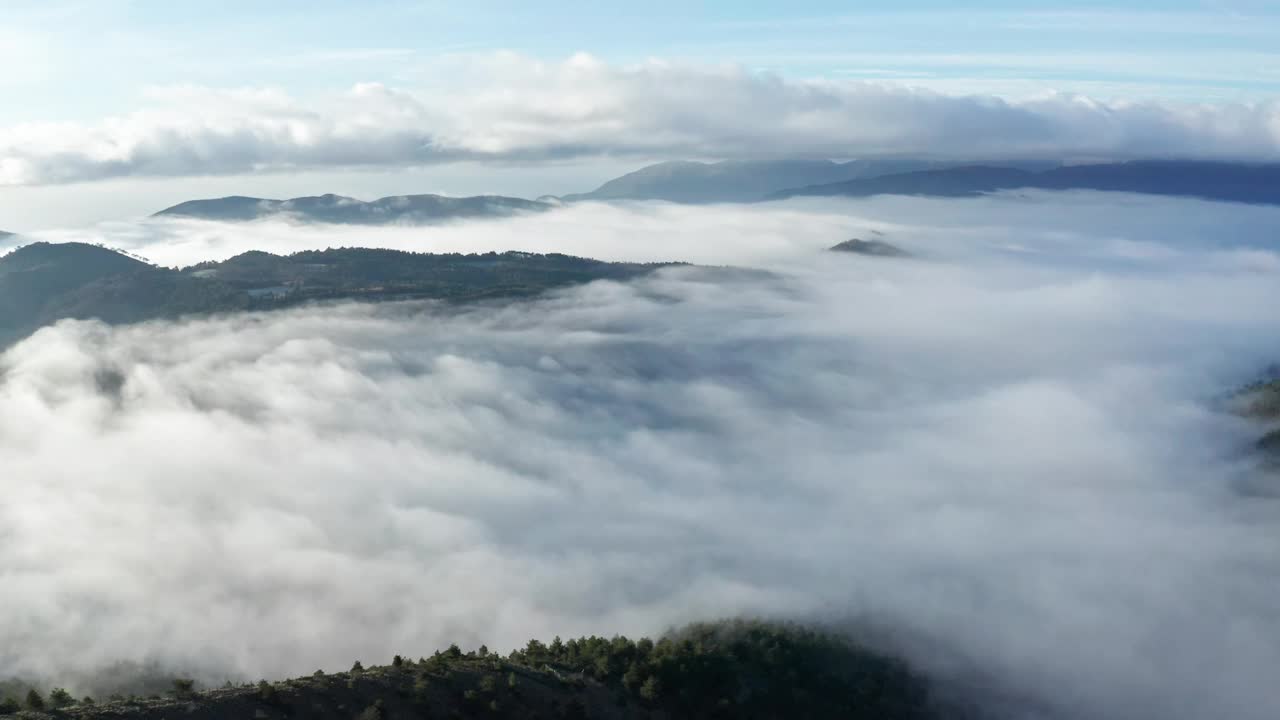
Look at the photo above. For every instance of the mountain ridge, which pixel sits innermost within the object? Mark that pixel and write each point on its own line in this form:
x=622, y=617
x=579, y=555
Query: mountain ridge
x=726, y=669
x=693, y=182
x=42, y=283
x=1210, y=180
x=339, y=209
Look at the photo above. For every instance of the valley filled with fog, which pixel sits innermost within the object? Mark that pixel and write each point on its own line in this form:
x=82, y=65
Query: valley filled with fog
x=1008, y=456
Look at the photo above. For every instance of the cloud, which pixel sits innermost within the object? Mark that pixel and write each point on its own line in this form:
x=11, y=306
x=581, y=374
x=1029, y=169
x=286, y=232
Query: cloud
x=1007, y=451
x=1072, y=227
x=509, y=108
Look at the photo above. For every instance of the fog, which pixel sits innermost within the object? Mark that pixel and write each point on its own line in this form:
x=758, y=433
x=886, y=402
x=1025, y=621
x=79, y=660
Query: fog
x=1010, y=452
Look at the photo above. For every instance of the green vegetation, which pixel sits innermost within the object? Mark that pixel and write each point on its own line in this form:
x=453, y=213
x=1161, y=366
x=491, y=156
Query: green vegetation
x=733, y=669
x=1260, y=401
x=60, y=698
x=42, y=283
x=742, y=669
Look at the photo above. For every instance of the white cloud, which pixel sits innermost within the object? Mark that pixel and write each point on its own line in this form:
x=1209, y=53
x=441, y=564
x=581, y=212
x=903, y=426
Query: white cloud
x=1012, y=454
x=511, y=108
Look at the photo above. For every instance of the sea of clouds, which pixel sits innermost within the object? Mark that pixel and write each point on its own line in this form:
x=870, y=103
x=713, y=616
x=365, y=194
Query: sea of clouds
x=1009, y=455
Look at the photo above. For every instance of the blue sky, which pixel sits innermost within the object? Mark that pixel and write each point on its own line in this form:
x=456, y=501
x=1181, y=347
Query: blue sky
x=110, y=90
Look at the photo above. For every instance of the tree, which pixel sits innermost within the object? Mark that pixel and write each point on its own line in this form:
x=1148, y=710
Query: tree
x=633, y=678
x=357, y=667
x=35, y=701
x=603, y=667
x=651, y=690
x=267, y=692
x=60, y=698
x=9, y=706
x=183, y=688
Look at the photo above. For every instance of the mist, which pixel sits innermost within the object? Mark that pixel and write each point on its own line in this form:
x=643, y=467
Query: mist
x=1009, y=454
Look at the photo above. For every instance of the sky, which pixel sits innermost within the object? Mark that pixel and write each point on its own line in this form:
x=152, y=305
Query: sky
x=143, y=98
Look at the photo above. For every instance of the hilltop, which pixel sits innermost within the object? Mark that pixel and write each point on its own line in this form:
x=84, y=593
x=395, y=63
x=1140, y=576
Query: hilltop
x=736, y=669
x=875, y=248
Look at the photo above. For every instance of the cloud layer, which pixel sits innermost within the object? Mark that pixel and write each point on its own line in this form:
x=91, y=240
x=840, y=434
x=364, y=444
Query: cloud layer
x=1008, y=449
x=509, y=108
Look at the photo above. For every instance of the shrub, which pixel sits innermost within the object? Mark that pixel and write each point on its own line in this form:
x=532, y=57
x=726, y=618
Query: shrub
x=267, y=692
x=183, y=688
x=60, y=698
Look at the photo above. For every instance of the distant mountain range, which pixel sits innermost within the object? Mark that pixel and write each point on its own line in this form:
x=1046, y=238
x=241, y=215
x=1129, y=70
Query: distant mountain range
x=42, y=282
x=405, y=209
x=745, y=180
x=755, y=181
x=1234, y=182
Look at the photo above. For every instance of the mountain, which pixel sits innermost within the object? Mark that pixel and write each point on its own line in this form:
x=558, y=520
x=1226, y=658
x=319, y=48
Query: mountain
x=38, y=275
x=736, y=669
x=1233, y=182
x=42, y=283
x=876, y=248
x=373, y=274
x=400, y=209
x=741, y=180
x=4, y=234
